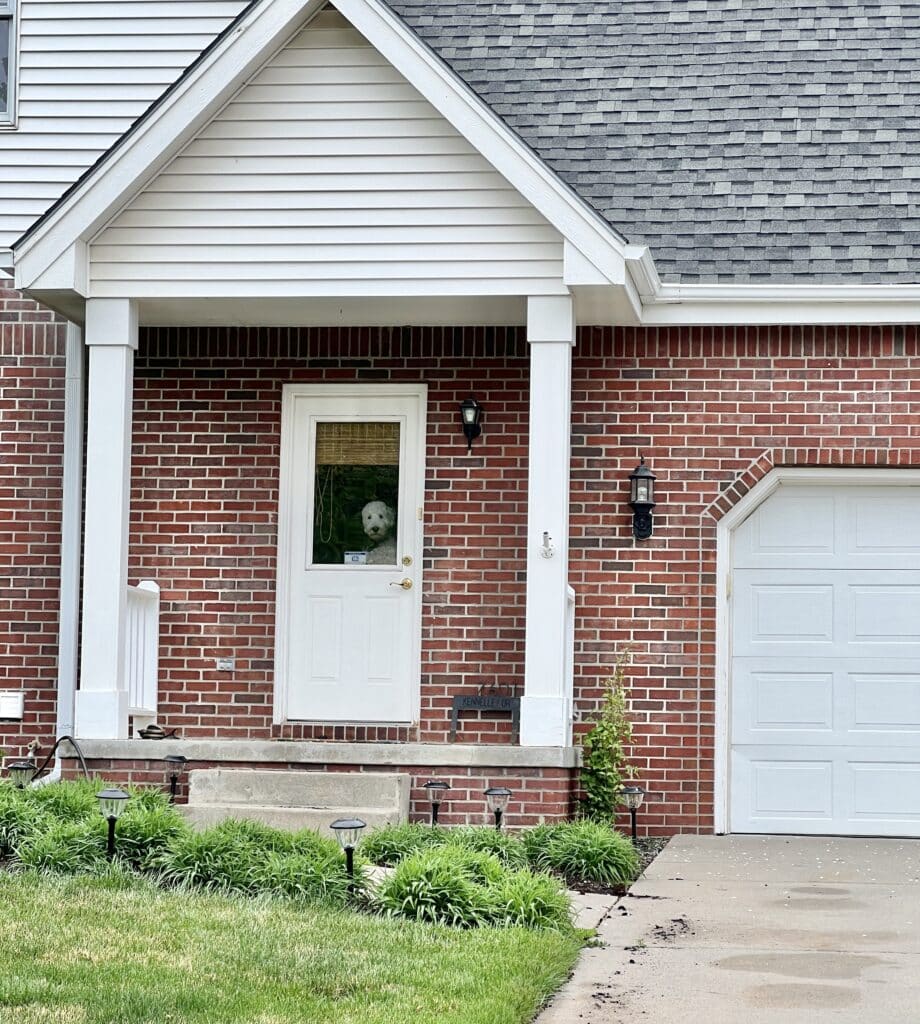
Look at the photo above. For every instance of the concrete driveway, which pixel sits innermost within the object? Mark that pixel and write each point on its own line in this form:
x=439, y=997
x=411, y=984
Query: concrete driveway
x=755, y=929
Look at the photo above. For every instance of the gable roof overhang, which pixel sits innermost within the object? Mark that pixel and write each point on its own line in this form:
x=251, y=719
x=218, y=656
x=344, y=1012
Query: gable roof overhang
x=52, y=258
x=612, y=280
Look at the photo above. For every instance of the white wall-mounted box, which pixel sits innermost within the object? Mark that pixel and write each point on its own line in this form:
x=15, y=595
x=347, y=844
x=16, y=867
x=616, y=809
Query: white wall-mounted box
x=12, y=704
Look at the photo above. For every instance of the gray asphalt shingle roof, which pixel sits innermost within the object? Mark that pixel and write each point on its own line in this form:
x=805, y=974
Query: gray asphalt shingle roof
x=742, y=140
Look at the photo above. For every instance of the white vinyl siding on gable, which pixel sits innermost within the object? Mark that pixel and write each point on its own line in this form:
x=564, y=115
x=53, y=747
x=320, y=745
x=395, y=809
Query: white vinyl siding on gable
x=87, y=70
x=328, y=174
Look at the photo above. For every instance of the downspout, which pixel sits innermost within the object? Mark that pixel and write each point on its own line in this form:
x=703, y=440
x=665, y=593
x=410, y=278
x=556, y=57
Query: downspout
x=71, y=531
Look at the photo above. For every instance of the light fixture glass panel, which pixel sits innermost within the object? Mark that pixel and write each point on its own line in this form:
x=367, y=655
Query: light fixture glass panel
x=356, y=493
x=112, y=802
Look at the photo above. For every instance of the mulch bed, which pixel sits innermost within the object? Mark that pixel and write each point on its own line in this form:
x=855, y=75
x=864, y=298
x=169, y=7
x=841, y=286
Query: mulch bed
x=648, y=848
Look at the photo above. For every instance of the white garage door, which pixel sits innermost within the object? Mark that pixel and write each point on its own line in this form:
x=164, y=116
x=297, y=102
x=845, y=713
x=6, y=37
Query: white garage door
x=825, y=689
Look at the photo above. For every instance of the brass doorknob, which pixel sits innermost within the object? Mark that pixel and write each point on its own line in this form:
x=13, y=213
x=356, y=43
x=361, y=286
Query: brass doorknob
x=406, y=584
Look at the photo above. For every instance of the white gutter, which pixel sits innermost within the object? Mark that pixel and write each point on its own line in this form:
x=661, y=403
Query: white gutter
x=71, y=529
x=701, y=304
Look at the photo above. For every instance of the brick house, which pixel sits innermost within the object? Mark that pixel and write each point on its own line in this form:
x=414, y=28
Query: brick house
x=251, y=294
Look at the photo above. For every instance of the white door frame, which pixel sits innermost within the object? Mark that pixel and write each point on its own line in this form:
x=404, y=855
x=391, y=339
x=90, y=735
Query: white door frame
x=832, y=476
x=415, y=449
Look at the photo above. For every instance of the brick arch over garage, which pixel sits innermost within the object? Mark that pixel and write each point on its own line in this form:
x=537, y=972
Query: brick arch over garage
x=714, y=410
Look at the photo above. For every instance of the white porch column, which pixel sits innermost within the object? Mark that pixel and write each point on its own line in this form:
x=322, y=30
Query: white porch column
x=102, y=700
x=546, y=713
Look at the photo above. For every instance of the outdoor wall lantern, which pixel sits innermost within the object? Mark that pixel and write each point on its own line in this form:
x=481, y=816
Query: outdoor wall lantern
x=111, y=804
x=347, y=831
x=435, y=791
x=642, y=499
x=631, y=798
x=21, y=773
x=175, y=766
x=470, y=415
x=498, y=797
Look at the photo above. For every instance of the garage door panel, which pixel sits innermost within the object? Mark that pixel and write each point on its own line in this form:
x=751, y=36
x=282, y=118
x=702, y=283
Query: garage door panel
x=884, y=792
x=772, y=794
x=773, y=706
x=884, y=613
x=882, y=525
x=793, y=523
x=885, y=702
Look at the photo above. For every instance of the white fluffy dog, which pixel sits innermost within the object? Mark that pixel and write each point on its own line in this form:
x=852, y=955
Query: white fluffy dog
x=379, y=519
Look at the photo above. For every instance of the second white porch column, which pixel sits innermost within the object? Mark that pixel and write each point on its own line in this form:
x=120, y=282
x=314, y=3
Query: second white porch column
x=546, y=714
x=111, y=335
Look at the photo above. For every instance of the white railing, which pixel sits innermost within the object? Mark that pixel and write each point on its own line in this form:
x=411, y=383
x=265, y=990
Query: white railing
x=570, y=652
x=141, y=649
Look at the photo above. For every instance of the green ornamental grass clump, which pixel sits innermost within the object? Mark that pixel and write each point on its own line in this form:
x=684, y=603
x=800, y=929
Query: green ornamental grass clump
x=505, y=846
x=145, y=832
x=391, y=844
x=66, y=801
x=67, y=847
x=19, y=819
x=589, y=851
x=465, y=888
x=434, y=886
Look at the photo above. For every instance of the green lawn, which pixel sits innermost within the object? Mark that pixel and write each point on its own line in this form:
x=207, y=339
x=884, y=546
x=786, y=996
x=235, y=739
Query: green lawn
x=96, y=951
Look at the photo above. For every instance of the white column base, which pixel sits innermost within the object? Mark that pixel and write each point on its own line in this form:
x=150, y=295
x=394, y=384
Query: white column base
x=546, y=722
x=102, y=714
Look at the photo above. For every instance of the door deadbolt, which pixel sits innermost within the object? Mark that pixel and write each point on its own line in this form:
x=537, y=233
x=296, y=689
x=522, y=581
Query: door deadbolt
x=407, y=560
x=406, y=584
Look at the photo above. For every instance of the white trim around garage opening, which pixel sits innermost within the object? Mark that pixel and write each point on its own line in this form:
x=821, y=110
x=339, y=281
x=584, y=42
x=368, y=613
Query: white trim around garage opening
x=832, y=476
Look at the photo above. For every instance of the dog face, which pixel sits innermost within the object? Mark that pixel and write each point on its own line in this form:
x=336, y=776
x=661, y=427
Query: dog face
x=378, y=519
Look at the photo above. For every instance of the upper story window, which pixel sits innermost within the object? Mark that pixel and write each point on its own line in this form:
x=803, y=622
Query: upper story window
x=7, y=60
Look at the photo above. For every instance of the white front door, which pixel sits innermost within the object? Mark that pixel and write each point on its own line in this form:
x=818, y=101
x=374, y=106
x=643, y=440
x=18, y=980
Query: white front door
x=350, y=544
x=825, y=685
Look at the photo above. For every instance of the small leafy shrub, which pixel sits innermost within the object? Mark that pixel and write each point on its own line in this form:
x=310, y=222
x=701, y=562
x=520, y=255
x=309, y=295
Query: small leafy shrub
x=589, y=851
x=434, y=886
x=19, y=819
x=394, y=843
x=507, y=848
x=529, y=900
x=148, y=798
x=144, y=832
x=67, y=847
x=604, y=764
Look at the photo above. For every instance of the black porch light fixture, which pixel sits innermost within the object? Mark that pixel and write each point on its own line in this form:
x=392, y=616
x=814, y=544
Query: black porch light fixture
x=642, y=499
x=497, y=798
x=347, y=831
x=111, y=804
x=435, y=790
x=631, y=798
x=175, y=767
x=21, y=773
x=470, y=415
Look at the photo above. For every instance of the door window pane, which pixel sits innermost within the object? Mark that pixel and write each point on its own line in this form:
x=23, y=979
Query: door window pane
x=356, y=493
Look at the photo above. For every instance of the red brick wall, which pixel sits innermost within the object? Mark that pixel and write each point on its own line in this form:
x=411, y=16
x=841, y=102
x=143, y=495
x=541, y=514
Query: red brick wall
x=713, y=410
x=205, y=510
x=31, y=444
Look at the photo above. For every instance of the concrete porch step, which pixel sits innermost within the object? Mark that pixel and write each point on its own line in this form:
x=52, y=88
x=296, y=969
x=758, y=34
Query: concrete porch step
x=296, y=799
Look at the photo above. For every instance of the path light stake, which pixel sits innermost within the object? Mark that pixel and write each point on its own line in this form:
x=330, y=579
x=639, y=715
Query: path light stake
x=631, y=797
x=175, y=766
x=498, y=797
x=435, y=790
x=111, y=804
x=21, y=773
x=347, y=831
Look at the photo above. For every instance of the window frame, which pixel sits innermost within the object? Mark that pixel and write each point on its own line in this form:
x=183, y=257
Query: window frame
x=9, y=12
